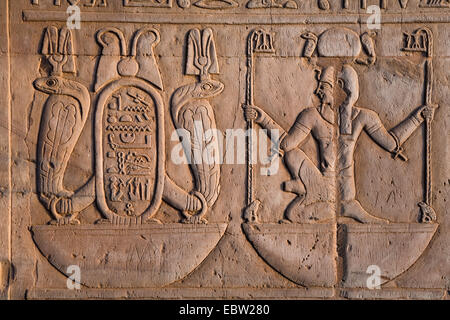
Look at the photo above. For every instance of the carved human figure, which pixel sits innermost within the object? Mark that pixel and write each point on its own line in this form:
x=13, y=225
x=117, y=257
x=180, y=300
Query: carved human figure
x=336, y=130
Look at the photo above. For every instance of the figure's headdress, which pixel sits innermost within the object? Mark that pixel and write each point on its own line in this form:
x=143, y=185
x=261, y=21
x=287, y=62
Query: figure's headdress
x=327, y=75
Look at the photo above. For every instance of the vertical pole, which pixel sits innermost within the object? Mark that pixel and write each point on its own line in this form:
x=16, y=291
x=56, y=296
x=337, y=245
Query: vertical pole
x=249, y=101
x=428, y=93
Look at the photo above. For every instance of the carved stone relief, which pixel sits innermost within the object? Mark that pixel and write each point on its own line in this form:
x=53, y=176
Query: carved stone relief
x=325, y=212
x=225, y=149
x=130, y=181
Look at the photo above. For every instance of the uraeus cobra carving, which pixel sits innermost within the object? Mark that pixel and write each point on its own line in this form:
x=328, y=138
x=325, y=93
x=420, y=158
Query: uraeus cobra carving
x=64, y=116
x=192, y=112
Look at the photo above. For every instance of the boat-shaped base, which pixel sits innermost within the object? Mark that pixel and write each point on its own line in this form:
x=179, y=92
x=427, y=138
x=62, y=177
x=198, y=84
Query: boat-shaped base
x=303, y=253
x=112, y=256
x=393, y=248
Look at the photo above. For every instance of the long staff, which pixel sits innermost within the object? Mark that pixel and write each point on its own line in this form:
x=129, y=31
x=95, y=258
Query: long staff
x=422, y=41
x=259, y=41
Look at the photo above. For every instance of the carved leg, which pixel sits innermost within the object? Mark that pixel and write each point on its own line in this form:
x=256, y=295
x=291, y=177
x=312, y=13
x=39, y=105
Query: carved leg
x=353, y=209
x=315, y=191
x=293, y=161
x=350, y=207
x=298, y=212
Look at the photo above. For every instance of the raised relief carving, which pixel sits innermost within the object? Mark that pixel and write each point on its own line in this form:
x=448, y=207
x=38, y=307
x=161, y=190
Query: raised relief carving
x=216, y=4
x=434, y=4
x=340, y=42
x=326, y=215
x=134, y=172
x=129, y=131
x=369, y=48
x=63, y=118
x=382, y=4
x=259, y=4
x=93, y=3
x=422, y=41
x=89, y=3
x=323, y=4
x=129, y=166
x=192, y=112
x=310, y=44
x=404, y=3
x=130, y=178
x=259, y=42
x=148, y=3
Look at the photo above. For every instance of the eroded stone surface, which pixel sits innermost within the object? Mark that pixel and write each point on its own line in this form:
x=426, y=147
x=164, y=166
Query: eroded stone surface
x=124, y=149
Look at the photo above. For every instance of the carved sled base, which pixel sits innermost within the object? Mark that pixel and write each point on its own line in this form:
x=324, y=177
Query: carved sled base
x=125, y=257
x=394, y=248
x=303, y=253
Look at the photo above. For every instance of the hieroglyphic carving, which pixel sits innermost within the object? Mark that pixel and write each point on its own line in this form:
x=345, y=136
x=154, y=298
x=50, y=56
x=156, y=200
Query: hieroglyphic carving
x=148, y=3
x=422, y=41
x=326, y=194
x=323, y=4
x=369, y=48
x=192, y=111
x=130, y=175
x=310, y=44
x=339, y=42
x=129, y=132
x=350, y=119
x=382, y=4
x=258, y=4
x=216, y=4
x=93, y=3
x=130, y=179
x=141, y=64
x=434, y=4
x=63, y=118
x=89, y=3
x=327, y=45
x=129, y=145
